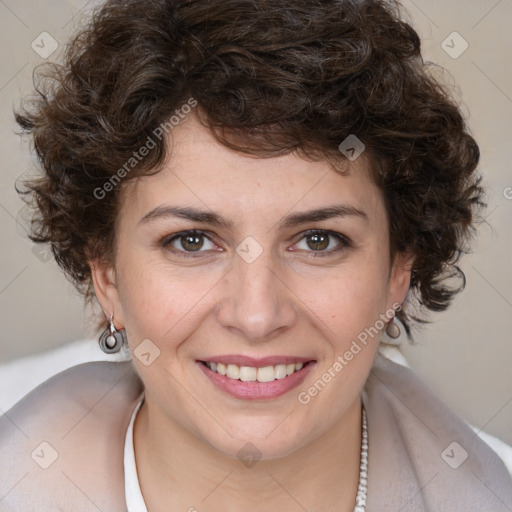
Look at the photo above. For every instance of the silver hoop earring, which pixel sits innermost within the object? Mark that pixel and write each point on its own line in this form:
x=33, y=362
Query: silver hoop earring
x=392, y=329
x=112, y=340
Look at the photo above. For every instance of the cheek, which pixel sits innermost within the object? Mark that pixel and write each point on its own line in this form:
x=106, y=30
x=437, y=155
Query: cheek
x=351, y=297
x=350, y=309
x=146, y=297
x=159, y=302
x=157, y=311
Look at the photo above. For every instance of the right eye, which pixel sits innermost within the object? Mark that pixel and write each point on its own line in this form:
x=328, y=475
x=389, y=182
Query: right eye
x=190, y=241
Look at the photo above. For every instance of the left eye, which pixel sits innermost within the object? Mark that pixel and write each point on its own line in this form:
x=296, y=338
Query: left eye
x=320, y=240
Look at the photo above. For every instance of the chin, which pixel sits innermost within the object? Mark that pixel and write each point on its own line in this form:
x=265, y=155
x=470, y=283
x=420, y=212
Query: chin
x=257, y=444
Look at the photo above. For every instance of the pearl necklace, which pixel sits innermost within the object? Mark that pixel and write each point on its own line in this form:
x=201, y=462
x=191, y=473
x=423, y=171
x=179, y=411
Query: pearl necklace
x=362, y=488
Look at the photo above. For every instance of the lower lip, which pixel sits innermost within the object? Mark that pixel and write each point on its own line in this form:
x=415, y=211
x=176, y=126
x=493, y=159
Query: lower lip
x=255, y=390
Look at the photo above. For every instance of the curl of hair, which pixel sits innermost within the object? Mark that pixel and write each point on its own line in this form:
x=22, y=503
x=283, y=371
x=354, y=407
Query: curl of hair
x=269, y=77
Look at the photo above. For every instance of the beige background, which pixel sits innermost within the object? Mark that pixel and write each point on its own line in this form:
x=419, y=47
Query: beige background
x=466, y=355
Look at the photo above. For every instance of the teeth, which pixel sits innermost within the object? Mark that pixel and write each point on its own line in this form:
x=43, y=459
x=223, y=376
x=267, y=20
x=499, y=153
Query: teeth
x=251, y=374
x=266, y=374
x=248, y=374
x=280, y=370
x=233, y=371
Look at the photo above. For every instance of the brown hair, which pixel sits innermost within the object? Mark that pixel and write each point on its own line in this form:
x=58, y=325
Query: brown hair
x=269, y=77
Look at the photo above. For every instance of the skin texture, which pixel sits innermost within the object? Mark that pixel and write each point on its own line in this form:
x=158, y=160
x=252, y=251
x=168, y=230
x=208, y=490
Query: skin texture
x=286, y=302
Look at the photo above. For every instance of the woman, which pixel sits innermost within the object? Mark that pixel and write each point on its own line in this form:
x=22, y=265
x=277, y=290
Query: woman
x=254, y=192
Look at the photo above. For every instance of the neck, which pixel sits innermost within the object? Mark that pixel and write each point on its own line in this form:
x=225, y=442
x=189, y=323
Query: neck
x=179, y=471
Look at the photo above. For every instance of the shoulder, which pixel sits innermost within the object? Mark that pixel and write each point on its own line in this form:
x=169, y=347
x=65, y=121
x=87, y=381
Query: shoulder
x=422, y=446
x=61, y=440
x=66, y=397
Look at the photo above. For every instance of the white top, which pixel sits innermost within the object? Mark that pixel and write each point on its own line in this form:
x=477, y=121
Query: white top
x=133, y=494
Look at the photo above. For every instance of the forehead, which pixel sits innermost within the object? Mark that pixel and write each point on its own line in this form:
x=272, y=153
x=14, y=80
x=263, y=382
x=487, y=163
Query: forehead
x=201, y=172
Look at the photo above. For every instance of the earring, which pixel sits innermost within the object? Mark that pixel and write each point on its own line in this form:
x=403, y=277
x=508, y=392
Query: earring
x=392, y=329
x=112, y=340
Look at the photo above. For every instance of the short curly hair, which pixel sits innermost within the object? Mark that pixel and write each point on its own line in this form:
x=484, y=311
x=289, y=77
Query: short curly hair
x=270, y=78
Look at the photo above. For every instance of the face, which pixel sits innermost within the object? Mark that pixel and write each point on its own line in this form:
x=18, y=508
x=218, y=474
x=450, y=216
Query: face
x=261, y=282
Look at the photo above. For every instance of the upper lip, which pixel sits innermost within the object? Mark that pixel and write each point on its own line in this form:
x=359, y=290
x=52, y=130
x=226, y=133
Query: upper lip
x=256, y=362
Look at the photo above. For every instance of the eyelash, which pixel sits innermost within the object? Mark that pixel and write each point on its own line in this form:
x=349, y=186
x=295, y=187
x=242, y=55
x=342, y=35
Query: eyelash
x=345, y=242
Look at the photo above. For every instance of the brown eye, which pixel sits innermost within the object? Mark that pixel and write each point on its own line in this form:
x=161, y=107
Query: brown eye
x=191, y=242
x=318, y=241
x=188, y=242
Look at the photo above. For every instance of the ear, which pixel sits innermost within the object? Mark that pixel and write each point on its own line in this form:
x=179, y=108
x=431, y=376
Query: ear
x=104, y=281
x=400, y=278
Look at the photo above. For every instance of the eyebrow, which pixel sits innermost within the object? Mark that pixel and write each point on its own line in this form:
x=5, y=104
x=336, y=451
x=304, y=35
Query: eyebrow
x=292, y=220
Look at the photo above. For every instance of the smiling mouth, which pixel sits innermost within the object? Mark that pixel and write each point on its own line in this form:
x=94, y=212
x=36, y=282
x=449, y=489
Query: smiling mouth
x=253, y=374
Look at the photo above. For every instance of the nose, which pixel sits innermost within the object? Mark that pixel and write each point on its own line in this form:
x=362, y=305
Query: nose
x=257, y=304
